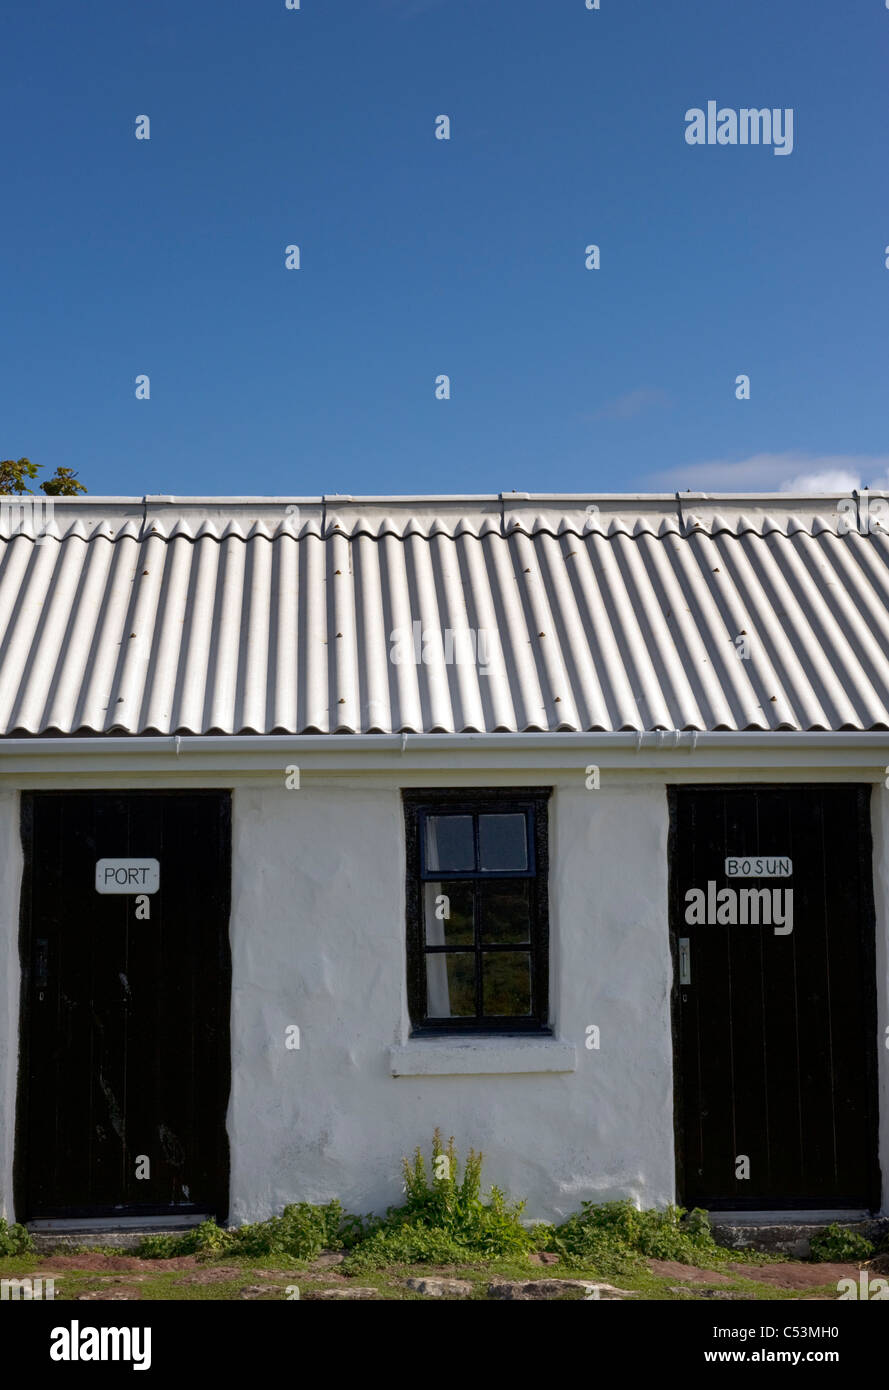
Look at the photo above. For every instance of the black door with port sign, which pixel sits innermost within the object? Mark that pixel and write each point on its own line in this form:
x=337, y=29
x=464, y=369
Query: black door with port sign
x=774, y=997
x=126, y=984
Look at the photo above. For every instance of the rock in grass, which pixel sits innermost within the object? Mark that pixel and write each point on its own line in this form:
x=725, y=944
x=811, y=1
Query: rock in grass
x=217, y=1275
x=441, y=1288
x=344, y=1292
x=109, y=1295
x=687, y=1291
x=551, y=1288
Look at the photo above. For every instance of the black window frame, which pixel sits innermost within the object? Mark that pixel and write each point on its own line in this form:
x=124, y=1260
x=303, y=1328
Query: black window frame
x=534, y=803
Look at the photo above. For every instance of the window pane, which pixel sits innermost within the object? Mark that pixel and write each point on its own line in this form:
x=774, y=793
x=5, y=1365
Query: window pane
x=449, y=914
x=506, y=983
x=505, y=911
x=450, y=985
x=449, y=844
x=502, y=843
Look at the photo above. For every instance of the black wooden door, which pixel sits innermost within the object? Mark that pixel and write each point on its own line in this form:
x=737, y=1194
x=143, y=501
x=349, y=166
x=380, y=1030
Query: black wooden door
x=125, y=1068
x=774, y=999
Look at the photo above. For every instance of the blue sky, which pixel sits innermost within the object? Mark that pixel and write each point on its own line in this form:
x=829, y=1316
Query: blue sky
x=421, y=257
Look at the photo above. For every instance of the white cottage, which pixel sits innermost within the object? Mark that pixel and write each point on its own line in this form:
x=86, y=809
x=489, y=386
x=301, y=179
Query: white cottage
x=559, y=825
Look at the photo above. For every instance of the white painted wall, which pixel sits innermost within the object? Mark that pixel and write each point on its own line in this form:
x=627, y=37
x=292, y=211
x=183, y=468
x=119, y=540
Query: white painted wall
x=318, y=932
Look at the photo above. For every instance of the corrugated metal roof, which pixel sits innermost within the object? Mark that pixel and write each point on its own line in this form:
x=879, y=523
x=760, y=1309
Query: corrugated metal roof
x=501, y=613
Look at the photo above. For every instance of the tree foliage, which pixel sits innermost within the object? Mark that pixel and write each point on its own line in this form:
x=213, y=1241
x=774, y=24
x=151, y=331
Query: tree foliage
x=15, y=474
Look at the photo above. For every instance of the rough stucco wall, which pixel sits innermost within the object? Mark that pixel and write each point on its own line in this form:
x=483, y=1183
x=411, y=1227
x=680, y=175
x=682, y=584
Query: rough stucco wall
x=318, y=941
x=10, y=893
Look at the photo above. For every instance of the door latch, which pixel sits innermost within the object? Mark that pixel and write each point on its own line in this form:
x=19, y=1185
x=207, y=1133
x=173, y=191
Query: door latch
x=684, y=961
x=41, y=966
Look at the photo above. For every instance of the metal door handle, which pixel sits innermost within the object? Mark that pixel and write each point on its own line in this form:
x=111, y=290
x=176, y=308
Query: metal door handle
x=41, y=966
x=684, y=961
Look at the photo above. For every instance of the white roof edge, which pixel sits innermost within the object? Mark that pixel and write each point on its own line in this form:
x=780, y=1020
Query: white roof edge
x=658, y=740
x=352, y=500
x=851, y=756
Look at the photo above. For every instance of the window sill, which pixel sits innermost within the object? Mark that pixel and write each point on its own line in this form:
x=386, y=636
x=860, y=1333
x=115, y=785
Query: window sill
x=481, y=1056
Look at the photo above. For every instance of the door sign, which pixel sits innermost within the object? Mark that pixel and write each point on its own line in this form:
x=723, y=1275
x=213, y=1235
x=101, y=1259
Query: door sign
x=759, y=866
x=128, y=875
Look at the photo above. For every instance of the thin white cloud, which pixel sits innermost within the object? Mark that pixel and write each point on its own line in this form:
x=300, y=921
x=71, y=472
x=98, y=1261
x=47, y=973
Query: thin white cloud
x=630, y=404
x=840, y=480
x=784, y=472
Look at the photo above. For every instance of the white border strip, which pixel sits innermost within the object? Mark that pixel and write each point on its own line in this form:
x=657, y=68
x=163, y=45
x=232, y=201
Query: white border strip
x=220, y=753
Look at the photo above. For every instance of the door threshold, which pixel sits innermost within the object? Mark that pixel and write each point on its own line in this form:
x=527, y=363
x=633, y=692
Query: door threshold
x=784, y=1217
x=124, y=1233
x=70, y=1224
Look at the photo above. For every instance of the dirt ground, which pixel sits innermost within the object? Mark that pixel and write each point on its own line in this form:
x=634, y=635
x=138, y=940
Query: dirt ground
x=795, y=1274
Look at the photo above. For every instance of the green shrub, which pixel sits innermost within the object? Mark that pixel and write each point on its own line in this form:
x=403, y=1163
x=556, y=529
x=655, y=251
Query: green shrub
x=838, y=1244
x=407, y=1245
x=443, y=1218
x=300, y=1233
x=616, y=1235
x=15, y=1240
x=205, y=1239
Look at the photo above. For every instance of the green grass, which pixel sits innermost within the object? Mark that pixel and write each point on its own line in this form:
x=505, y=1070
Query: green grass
x=165, y=1285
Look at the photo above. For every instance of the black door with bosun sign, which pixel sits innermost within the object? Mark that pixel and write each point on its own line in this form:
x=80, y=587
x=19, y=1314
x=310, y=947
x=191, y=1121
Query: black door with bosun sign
x=125, y=1066
x=774, y=997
